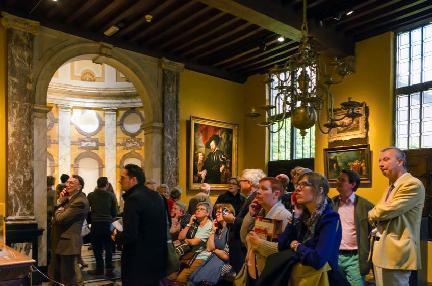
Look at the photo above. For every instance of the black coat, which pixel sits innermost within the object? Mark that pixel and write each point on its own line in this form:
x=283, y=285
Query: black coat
x=144, y=236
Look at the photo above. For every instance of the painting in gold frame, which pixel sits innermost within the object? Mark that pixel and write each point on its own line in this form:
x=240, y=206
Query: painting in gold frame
x=212, y=153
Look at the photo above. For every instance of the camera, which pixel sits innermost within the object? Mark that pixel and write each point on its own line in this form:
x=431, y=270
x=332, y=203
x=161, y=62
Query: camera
x=225, y=211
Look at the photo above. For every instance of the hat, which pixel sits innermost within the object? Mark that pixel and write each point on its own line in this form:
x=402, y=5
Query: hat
x=215, y=138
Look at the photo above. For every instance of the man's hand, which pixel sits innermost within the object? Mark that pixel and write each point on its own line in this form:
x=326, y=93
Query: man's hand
x=63, y=193
x=221, y=168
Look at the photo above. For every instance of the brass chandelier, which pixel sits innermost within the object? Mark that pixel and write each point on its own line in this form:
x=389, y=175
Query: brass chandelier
x=302, y=87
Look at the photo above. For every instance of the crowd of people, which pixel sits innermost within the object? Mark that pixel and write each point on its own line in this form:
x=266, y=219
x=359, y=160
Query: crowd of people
x=282, y=230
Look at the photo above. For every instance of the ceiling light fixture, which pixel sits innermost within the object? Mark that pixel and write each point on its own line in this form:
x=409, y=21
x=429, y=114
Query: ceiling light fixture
x=281, y=39
x=111, y=30
x=302, y=87
x=148, y=18
x=349, y=12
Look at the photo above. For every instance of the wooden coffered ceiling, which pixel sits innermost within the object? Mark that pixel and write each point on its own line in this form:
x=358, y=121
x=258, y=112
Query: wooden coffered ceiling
x=231, y=39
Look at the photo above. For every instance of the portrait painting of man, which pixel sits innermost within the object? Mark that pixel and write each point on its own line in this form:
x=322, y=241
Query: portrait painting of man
x=213, y=152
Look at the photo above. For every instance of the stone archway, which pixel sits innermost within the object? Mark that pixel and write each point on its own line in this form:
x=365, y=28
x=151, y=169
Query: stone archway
x=34, y=54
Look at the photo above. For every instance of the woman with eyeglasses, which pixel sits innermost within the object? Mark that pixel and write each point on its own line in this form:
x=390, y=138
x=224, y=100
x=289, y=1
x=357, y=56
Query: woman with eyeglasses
x=315, y=232
x=216, y=266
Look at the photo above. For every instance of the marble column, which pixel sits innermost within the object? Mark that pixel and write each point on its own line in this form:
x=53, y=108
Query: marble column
x=20, y=37
x=170, y=92
x=152, y=146
x=40, y=172
x=110, y=146
x=64, y=134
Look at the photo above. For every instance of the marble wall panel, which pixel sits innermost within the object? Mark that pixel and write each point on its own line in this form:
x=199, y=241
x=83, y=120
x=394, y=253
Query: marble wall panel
x=171, y=127
x=20, y=124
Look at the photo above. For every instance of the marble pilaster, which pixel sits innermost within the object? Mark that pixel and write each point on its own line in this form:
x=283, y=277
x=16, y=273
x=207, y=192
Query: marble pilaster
x=170, y=92
x=110, y=145
x=40, y=173
x=64, y=140
x=20, y=38
x=152, y=146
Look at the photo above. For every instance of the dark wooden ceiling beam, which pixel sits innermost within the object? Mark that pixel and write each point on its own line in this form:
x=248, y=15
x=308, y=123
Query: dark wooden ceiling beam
x=284, y=20
x=157, y=9
x=181, y=26
x=212, y=41
x=83, y=9
x=236, y=53
x=364, y=10
x=181, y=36
x=254, y=44
x=208, y=33
x=243, y=11
x=264, y=68
x=157, y=24
x=395, y=21
x=389, y=13
x=408, y=24
x=284, y=54
x=228, y=44
x=288, y=46
x=137, y=7
x=108, y=10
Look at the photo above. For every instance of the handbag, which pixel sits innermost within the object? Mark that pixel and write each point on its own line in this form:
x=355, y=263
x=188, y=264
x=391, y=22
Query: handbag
x=85, y=230
x=241, y=277
x=187, y=259
x=173, y=263
x=182, y=248
x=277, y=269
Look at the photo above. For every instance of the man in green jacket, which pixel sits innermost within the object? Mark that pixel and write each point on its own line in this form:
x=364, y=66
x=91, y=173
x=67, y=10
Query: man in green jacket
x=353, y=211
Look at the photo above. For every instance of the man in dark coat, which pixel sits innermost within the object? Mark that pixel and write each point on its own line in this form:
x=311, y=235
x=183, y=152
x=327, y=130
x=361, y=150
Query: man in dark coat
x=71, y=210
x=103, y=206
x=144, y=236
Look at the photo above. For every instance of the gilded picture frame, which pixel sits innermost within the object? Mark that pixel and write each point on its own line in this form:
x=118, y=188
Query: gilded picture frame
x=356, y=158
x=357, y=129
x=213, y=154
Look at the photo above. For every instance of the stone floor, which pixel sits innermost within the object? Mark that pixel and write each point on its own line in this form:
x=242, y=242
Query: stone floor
x=91, y=280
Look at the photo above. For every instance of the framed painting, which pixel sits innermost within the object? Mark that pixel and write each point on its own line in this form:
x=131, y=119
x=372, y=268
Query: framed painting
x=356, y=158
x=357, y=129
x=212, y=153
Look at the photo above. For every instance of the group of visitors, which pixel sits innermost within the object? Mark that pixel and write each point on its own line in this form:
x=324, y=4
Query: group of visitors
x=257, y=233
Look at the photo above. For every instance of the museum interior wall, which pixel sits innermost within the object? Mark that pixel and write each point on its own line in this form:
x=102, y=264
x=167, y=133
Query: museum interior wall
x=214, y=98
x=210, y=98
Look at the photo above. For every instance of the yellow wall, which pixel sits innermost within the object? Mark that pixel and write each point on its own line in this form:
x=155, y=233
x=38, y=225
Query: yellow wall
x=372, y=82
x=3, y=118
x=211, y=98
x=256, y=143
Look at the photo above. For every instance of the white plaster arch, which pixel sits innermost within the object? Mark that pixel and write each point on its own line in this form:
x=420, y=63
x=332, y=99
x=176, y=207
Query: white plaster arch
x=122, y=60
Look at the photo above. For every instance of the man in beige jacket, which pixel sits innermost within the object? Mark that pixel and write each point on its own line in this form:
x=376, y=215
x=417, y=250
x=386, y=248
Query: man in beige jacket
x=397, y=218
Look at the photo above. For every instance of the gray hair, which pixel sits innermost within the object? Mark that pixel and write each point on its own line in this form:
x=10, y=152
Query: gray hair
x=400, y=155
x=253, y=176
x=205, y=188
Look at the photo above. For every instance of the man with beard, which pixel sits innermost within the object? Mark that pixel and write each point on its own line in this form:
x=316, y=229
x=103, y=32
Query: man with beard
x=144, y=236
x=215, y=162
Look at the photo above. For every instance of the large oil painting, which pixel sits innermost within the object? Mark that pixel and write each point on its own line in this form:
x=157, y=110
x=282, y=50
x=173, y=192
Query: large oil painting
x=356, y=158
x=212, y=153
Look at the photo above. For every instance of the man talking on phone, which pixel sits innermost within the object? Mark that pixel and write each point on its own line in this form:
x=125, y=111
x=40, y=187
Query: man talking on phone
x=70, y=211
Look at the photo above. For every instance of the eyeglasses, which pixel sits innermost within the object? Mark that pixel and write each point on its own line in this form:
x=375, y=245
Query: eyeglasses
x=302, y=185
